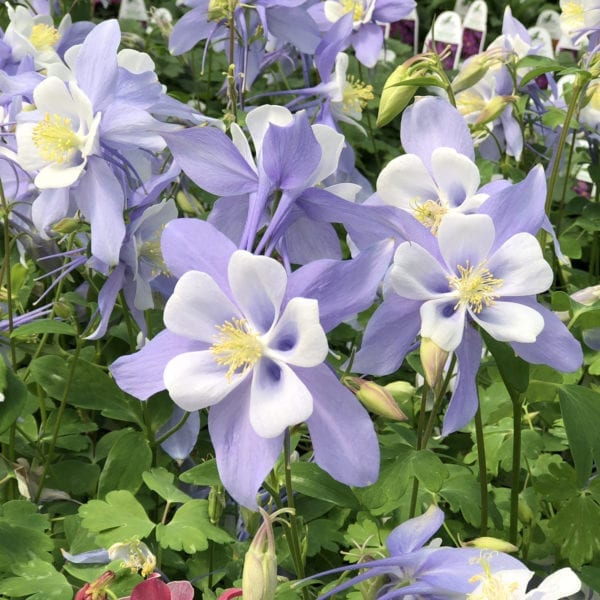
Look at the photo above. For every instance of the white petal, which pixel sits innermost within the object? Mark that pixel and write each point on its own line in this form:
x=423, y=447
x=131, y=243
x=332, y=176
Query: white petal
x=561, y=584
x=197, y=306
x=521, y=266
x=194, y=380
x=331, y=143
x=241, y=143
x=27, y=152
x=443, y=323
x=416, y=274
x=58, y=176
x=298, y=338
x=333, y=10
x=455, y=175
x=258, y=284
x=405, y=183
x=465, y=239
x=510, y=322
x=278, y=399
x=52, y=96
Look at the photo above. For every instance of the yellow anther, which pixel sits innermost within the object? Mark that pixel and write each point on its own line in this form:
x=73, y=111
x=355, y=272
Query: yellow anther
x=475, y=286
x=355, y=7
x=430, y=213
x=43, y=37
x=55, y=139
x=355, y=96
x=469, y=102
x=236, y=346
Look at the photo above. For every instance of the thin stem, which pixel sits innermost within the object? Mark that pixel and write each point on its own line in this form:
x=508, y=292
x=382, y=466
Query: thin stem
x=370, y=126
x=61, y=410
x=7, y=271
x=438, y=402
x=517, y=401
x=482, y=471
x=420, y=429
x=173, y=429
x=294, y=530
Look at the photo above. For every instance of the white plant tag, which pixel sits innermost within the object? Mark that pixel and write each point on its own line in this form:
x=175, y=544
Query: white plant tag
x=447, y=31
x=133, y=9
x=550, y=20
x=541, y=41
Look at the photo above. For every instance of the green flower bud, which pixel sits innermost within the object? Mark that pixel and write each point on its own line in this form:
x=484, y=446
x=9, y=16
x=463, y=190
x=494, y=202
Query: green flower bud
x=401, y=391
x=491, y=543
x=216, y=503
x=433, y=359
x=494, y=108
x=525, y=513
x=375, y=398
x=66, y=226
x=395, y=97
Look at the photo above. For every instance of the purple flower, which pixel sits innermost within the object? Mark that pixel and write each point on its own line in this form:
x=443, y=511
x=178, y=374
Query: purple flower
x=248, y=341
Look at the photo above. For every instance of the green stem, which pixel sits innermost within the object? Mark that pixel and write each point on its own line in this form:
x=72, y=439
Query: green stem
x=420, y=430
x=173, y=429
x=61, y=410
x=294, y=530
x=517, y=401
x=370, y=126
x=438, y=402
x=482, y=464
x=7, y=271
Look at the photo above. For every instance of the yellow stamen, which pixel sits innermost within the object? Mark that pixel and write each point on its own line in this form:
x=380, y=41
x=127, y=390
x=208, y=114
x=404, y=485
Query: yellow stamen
x=493, y=588
x=55, y=139
x=469, y=102
x=356, y=95
x=43, y=36
x=573, y=14
x=355, y=7
x=236, y=346
x=430, y=213
x=475, y=286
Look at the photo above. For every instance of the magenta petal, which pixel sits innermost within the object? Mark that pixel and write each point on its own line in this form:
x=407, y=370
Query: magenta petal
x=464, y=402
x=141, y=374
x=244, y=458
x=151, y=589
x=341, y=430
x=181, y=590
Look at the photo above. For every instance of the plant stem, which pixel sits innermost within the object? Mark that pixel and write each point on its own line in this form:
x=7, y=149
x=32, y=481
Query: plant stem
x=7, y=272
x=420, y=430
x=174, y=429
x=482, y=471
x=517, y=401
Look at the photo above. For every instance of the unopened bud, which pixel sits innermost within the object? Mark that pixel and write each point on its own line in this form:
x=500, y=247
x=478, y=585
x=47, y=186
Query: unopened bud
x=66, y=226
x=433, y=359
x=491, y=543
x=494, y=108
x=259, y=577
x=587, y=296
x=63, y=309
x=216, y=503
x=375, y=398
x=401, y=391
x=472, y=72
x=397, y=93
x=525, y=513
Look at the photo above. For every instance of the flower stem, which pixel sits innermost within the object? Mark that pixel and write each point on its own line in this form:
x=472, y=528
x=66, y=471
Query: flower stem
x=517, y=401
x=420, y=431
x=7, y=272
x=481, y=461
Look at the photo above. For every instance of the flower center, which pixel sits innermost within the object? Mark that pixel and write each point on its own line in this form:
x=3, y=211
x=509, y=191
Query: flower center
x=150, y=252
x=573, y=14
x=236, y=346
x=492, y=588
x=355, y=96
x=475, y=286
x=355, y=7
x=43, y=36
x=430, y=213
x=55, y=139
x=468, y=103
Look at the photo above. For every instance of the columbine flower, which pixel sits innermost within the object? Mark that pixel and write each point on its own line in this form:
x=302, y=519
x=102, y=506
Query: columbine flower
x=432, y=179
x=248, y=341
x=59, y=136
x=579, y=16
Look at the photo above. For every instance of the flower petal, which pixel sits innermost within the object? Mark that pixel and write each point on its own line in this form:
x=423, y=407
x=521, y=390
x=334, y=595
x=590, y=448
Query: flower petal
x=510, y=322
x=298, y=338
x=197, y=307
x=417, y=275
x=415, y=533
x=455, y=174
x=278, y=399
x=194, y=380
x=443, y=322
x=258, y=285
x=244, y=458
x=521, y=266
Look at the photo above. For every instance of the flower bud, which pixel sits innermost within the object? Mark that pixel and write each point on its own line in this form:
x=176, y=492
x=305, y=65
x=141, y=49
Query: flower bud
x=433, y=359
x=97, y=590
x=491, y=543
x=525, y=513
x=375, y=398
x=494, y=108
x=401, y=391
x=259, y=577
x=395, y=97
x=587, y=296
x=66, y=225
x=473, y=71
x=216, y=503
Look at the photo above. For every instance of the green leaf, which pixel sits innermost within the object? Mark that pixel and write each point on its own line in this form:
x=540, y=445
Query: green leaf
x=205, y=473
x=18, y=544
x=310, y=480
x=581, y=413
x=190, y=529
x=38, y=580
x=126, y=461
x=576, y=529
x=44, y=326
x=25, y=514
x=429, y=469
x=74, y=476
x=560, y=483
x=323, y=534
x=363, y=537
x=119, y=518
x=15, y=394
x=461, y=491
x=160, y=480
